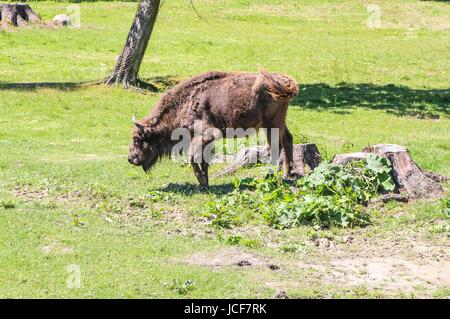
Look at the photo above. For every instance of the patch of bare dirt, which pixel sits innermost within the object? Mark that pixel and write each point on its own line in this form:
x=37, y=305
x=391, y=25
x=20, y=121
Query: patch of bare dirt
x=38, y=194
x=389, y=262
x=388, y=273
x=54, y=247
x=404, y=263
x=30, y=194
x=232, y=256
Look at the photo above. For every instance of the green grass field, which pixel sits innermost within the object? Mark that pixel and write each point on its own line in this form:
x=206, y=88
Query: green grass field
x=69, y=197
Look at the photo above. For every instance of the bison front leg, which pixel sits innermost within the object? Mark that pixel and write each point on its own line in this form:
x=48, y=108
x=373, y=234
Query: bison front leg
x=202, y=179
x=196, y=157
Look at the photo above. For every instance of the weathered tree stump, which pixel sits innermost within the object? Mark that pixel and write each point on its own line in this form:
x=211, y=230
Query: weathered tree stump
x=17, y=15
x=407, y=175
x=303, y=154
x=62, y=19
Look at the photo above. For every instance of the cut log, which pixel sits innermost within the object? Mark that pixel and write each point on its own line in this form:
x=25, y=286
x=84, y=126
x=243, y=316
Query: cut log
x=303, y=155
x=245, y=157
x=407, y=175
x=342, y=159
x=17, y=15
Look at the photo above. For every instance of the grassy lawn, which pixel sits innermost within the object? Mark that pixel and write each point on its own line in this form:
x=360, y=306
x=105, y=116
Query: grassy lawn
x=69, y=197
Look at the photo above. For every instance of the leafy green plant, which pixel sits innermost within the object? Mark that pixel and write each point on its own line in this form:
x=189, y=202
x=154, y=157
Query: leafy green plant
x=7, y=204
x=229, y=210
x=159, y=196
x=221, y=214
x=182, y=287
x=291, y=248
x=239, y=240
x=380, y=168
x=332, y=195
x=233, y=240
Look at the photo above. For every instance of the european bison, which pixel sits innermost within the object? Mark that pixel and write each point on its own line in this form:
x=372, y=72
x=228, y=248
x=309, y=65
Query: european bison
x=220, y=100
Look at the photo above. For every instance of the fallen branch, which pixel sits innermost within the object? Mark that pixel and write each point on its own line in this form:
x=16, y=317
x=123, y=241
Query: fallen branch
x=245, y=157
x=303, y=155
x=343, y=159
x=390, y=197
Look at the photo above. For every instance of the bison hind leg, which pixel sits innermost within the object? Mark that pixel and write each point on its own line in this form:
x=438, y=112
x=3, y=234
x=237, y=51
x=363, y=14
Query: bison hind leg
x=287, y=145
x=205, y=167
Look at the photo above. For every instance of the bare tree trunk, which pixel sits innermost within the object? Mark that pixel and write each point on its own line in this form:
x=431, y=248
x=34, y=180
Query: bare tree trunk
x=127, y=67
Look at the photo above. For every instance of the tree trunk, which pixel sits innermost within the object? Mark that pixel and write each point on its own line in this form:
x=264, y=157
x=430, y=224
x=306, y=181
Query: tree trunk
x=17, y=15
x=127, y=67
x=407, y=175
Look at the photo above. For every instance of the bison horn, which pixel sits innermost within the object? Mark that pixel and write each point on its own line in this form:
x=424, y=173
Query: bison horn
x=138, y=125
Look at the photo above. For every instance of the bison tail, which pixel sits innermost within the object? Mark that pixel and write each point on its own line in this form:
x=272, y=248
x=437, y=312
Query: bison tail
x=279, y=86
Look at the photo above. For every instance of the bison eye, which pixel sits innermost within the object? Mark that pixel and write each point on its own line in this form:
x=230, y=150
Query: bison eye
x=137, y=142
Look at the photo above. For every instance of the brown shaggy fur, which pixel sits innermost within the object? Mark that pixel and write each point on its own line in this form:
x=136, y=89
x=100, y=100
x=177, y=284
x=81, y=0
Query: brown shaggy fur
x=220, y=100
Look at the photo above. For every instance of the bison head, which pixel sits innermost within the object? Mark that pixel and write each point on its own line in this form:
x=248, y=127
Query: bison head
x=144, y=147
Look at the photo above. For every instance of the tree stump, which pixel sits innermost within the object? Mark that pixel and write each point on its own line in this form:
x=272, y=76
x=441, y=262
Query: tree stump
x=303, y=154
x=17, y=15
x=407, y=175
x=62, y=19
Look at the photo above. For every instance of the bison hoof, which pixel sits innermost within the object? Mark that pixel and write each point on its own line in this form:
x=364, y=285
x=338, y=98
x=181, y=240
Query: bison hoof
x=203, y=183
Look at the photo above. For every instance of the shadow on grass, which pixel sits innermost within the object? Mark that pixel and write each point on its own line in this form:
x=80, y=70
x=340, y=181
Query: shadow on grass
x=186, y=189
x=395, y=99
x=152, y=84
x=398, y=100
x=31, y=86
